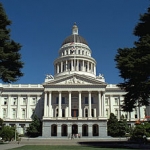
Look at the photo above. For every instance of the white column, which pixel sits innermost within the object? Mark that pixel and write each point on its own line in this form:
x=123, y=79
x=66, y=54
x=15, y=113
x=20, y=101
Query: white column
x=89, y=112
x=99, y=103
x=8, y=106
x=90, y=130
x=94, y=69
x=103, y=106
x=77, y=65
x=59, y=106
x=59, y=130
x=57, y=68
x=66, y=65
x=61, y=66
x=69, y=110
x=71, y=65
x=50, y=105
x=80, y=129
x=80, y=108
x=45, y=105
x=18, y=107
x=69, y=130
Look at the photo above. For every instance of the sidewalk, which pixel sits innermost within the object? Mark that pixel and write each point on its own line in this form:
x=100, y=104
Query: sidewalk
x=10, y=146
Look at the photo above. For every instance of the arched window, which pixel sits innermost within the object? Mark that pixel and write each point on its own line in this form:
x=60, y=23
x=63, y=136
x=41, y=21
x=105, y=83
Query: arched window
x=56, y=112
x=86, y=112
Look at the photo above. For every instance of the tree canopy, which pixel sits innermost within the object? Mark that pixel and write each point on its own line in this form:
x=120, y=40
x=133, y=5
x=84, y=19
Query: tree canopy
x=10, y=58
x=35, y=128
x=134, y=66
x=117, y=128
x=7, y=133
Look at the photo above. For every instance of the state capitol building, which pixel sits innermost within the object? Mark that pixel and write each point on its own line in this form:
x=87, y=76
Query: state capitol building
x=73, y=101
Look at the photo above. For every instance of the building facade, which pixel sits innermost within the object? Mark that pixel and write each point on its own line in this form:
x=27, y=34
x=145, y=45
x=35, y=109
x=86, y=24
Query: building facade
x=75, y=101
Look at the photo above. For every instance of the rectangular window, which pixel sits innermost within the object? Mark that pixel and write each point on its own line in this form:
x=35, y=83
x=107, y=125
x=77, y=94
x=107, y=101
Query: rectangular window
x=78, y=51
x=116, y=101
x=13, y=113
x=56, y=112
x=23, y=113
x=14, y=101
x=116, y=112
x=5, y=101
x=86, y=112
x=63, y=112
x=86, y=100
x=4, y=113
x=33, y=100
x=92, y=112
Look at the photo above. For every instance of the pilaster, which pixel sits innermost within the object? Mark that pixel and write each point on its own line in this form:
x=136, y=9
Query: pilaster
x=45, y=104
x=49, y=104
x=59, y=106
x=89, y=111
x=58, y=130
x=80, y=108
x=99, y=104
x=69, y=110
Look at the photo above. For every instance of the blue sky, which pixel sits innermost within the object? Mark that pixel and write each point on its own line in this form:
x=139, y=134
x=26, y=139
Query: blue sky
x=40, y=26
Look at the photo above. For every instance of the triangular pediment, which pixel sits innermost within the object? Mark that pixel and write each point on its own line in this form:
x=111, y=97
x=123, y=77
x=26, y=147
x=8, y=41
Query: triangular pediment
x=74, y=79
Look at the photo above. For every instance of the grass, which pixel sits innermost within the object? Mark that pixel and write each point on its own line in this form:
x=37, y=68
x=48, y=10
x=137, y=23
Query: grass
x=49, y=147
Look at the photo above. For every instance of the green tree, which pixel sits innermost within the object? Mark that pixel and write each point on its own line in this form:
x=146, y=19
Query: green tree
x=122, y=127
x=1, y=122
x=35, y=128
x=112, y=125
x=7, y=133
x=10, y=58
x=133, y=64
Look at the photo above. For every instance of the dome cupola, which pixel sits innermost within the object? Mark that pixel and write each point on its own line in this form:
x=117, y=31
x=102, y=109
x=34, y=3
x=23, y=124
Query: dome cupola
x=75, y=37
x=75, y=57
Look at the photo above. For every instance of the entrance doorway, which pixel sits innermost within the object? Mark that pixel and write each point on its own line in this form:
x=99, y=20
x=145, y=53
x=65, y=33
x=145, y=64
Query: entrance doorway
x=74, y=129
x=74, y=112
x=64, y=130
x=85, y=130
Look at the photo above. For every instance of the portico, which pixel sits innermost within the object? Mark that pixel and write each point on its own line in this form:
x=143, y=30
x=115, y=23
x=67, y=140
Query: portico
x=73, y=108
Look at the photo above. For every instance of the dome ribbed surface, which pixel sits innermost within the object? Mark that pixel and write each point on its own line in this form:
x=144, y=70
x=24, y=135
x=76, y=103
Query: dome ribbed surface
x=75, y=38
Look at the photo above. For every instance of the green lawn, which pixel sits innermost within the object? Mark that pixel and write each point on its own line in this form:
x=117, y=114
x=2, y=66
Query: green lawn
x=48, y=147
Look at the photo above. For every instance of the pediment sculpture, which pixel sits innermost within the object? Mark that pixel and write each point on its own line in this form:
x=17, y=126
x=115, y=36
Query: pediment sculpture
x=74, y=80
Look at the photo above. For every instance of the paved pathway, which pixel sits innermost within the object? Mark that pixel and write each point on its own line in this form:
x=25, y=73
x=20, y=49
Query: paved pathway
x=9, y=146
